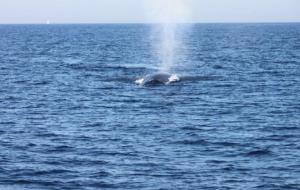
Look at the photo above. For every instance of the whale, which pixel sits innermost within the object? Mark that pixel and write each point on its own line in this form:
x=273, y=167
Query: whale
x=157, y=78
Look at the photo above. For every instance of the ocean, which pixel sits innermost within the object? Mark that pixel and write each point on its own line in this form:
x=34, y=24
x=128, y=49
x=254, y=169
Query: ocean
x=71, y=116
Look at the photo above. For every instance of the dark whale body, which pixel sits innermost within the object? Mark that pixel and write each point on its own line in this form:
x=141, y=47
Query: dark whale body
x=158, y=78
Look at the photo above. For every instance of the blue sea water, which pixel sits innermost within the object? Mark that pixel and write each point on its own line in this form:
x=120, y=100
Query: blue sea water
x=71, y=116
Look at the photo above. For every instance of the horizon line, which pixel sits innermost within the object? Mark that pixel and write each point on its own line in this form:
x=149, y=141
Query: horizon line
x=119, y=23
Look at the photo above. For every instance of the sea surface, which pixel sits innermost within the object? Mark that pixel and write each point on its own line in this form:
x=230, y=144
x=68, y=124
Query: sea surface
x=71, y=116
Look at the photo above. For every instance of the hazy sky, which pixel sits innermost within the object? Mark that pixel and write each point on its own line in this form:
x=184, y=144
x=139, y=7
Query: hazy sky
x=107, y=11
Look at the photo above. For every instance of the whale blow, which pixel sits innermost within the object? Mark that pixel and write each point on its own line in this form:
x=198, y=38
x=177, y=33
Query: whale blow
x=158, y=78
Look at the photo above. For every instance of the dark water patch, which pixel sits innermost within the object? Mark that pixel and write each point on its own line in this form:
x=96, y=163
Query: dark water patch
x=7, y=123
x=22, y=81
x=216, y=161
x=290, y=186
x=60, y=149
x=259, y=153
x=41, y=83
x=101, y=174
x=94, y=125
x=31, y=145
x=148, y=164
x=35, y=106
x=224, y=86
x=289, y=128
x=287, y=62
x=43, y=183
x=218, y=67
x=12, y=98
x=110, y=87
x=281, y=137
x=229, y=144
x=101, y=185
x=267, y=186
x=58, y=172
x=192, y=142
x=110, y=153
x=84, y=160
x=41, y=172
x=195, y=128
x=47, y=135
x=88, y=184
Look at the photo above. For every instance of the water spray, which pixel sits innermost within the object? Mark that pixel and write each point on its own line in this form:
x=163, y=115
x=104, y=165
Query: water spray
x=167, y=16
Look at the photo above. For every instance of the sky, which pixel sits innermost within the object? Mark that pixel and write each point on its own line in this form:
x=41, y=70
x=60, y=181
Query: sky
x=136, y=11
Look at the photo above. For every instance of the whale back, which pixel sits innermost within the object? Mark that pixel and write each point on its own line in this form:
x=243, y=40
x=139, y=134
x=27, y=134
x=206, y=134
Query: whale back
x=158, y=78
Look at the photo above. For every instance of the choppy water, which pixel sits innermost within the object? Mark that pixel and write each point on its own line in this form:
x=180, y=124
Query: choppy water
x=71, y=116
